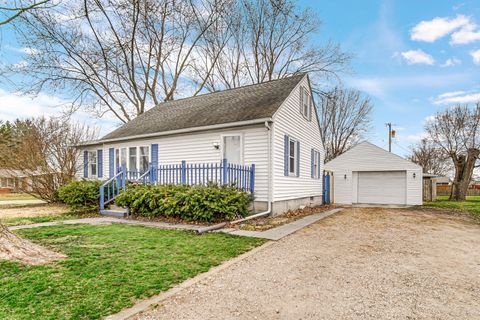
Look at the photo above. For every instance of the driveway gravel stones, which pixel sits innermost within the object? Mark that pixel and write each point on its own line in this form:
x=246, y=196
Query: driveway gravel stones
x=358, y=264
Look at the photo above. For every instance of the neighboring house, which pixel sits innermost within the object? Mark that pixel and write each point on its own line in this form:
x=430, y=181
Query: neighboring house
x=371, y=175
x=14, y=181
x=272, y=125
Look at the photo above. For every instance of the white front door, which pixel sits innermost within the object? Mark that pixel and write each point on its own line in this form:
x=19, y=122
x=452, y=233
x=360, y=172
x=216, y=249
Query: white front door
x=232, y=149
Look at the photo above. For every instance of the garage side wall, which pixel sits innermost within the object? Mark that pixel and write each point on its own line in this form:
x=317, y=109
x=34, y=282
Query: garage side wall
x=414, y=187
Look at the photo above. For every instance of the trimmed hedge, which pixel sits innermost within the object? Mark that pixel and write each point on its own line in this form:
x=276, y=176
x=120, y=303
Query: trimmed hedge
x=81, y=196
x=193, y=203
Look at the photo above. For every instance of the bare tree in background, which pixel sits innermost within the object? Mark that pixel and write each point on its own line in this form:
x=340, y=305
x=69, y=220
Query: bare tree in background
x=344, y=117
x=267, y=40
x=11, y=10
x=432, y=158
x=42, y=149
x=124, y=56
x=457, y=132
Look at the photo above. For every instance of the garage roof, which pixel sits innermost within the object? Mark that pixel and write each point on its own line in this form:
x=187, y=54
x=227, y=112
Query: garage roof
x=366, y=156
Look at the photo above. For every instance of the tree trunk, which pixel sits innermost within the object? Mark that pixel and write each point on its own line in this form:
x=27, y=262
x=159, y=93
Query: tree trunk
x=15, y=248
x=464, y=166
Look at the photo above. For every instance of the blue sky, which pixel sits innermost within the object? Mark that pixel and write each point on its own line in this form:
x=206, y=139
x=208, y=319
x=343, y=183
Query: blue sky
x=413, y=58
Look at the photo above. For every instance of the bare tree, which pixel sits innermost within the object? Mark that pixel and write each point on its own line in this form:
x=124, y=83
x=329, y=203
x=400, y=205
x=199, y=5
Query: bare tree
x=125, y=56
x=432, y=158
x=115, y=56
x=266, y=40
x=15, y=8
x=43, y=151
x=456, y=131
x=344, y=118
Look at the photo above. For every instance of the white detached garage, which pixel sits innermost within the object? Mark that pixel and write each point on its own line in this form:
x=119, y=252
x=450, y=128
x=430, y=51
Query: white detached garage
x=367, y=174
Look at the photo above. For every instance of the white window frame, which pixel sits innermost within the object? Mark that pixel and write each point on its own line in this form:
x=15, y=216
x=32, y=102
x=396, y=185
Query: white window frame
x=295, y=157
x=222, y=149
x=306, y=101
x=90, y=163
x=316, y=164
x=127, y=155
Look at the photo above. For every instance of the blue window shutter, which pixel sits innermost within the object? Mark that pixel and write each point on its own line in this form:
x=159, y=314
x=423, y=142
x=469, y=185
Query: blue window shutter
x=154, y=156
x=285, y=156
x=85, y=164
x=111, y=162
x=319, y=165
x=312, y=164
x=298, y=158
x=99, y=163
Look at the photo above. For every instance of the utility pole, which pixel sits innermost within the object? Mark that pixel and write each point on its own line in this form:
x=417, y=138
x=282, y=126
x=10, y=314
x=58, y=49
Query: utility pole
x=391, y=134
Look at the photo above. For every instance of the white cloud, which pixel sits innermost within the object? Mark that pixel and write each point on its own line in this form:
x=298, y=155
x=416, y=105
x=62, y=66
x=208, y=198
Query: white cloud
x=451, y=62
x=432, y=30
x=457, y=97
x=476, y=57
x=467, y=34
x=416, y=137
x=417, y=57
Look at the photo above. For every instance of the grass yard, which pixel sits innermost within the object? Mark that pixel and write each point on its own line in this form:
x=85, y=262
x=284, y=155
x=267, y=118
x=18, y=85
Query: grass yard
x=39, y=219
x=108, y=268
x=16, y=196
x=471, y=205
x=28, y=214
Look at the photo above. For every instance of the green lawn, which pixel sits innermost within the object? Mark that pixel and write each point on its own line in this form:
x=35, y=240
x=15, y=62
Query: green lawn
x=471, y=205
x=108, y=268
x=16, y=196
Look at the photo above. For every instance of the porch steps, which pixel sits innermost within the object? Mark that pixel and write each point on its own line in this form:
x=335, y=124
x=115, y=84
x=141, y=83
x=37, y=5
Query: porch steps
x=115, y=211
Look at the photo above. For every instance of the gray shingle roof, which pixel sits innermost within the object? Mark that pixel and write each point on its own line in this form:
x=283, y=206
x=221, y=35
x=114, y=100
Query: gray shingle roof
x=241, y=104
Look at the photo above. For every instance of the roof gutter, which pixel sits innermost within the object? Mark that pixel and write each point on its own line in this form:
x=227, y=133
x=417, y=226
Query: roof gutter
x=179, y=131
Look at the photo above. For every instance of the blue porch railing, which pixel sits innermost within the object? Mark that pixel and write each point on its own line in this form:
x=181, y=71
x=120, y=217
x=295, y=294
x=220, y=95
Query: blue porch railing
x=241, y=177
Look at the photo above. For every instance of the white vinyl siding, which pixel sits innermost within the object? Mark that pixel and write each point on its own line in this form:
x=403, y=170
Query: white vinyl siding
x=199, y=147
x=289, y=121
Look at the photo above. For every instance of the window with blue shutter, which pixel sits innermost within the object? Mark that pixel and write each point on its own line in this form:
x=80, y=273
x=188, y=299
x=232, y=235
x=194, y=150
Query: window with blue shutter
x=100, y=163
x=111, y=162
x=315, y=164
x=319, y=165
x=85, y=164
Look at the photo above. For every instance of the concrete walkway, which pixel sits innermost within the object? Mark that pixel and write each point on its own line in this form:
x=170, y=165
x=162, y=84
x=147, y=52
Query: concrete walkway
x=9, y=202
x=283, y=230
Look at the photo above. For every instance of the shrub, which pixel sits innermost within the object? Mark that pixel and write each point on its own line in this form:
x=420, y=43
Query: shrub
x=199, y=203
x=83, y=195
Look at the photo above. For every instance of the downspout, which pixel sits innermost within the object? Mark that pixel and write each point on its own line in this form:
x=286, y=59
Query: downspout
x=269, y=199
x=269, y=181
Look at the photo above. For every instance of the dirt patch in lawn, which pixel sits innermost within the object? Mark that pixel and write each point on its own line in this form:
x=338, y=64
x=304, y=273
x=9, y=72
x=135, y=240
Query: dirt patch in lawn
x=32, y=211
x=265, y=223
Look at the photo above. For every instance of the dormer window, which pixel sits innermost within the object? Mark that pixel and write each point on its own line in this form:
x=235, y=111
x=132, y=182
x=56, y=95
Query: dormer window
x=305, y=103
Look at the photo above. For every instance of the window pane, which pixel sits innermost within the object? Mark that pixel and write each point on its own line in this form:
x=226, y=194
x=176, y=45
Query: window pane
x=132, y=163
x=123, y=157
x=232, y=149
x=292, y=165
x=93, y=163
x=292, y=148
x=144, y=159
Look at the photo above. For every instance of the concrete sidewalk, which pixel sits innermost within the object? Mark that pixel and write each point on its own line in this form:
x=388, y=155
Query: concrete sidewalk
x=9, y=202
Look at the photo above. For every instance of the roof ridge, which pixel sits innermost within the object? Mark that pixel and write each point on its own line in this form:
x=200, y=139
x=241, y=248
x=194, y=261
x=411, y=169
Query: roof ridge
x=232, y=89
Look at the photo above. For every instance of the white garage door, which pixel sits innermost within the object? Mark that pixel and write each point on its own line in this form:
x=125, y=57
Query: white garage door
x=382, y=187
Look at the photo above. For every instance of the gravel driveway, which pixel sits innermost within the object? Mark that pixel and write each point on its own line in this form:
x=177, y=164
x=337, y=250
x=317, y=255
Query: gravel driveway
x=359, y=264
